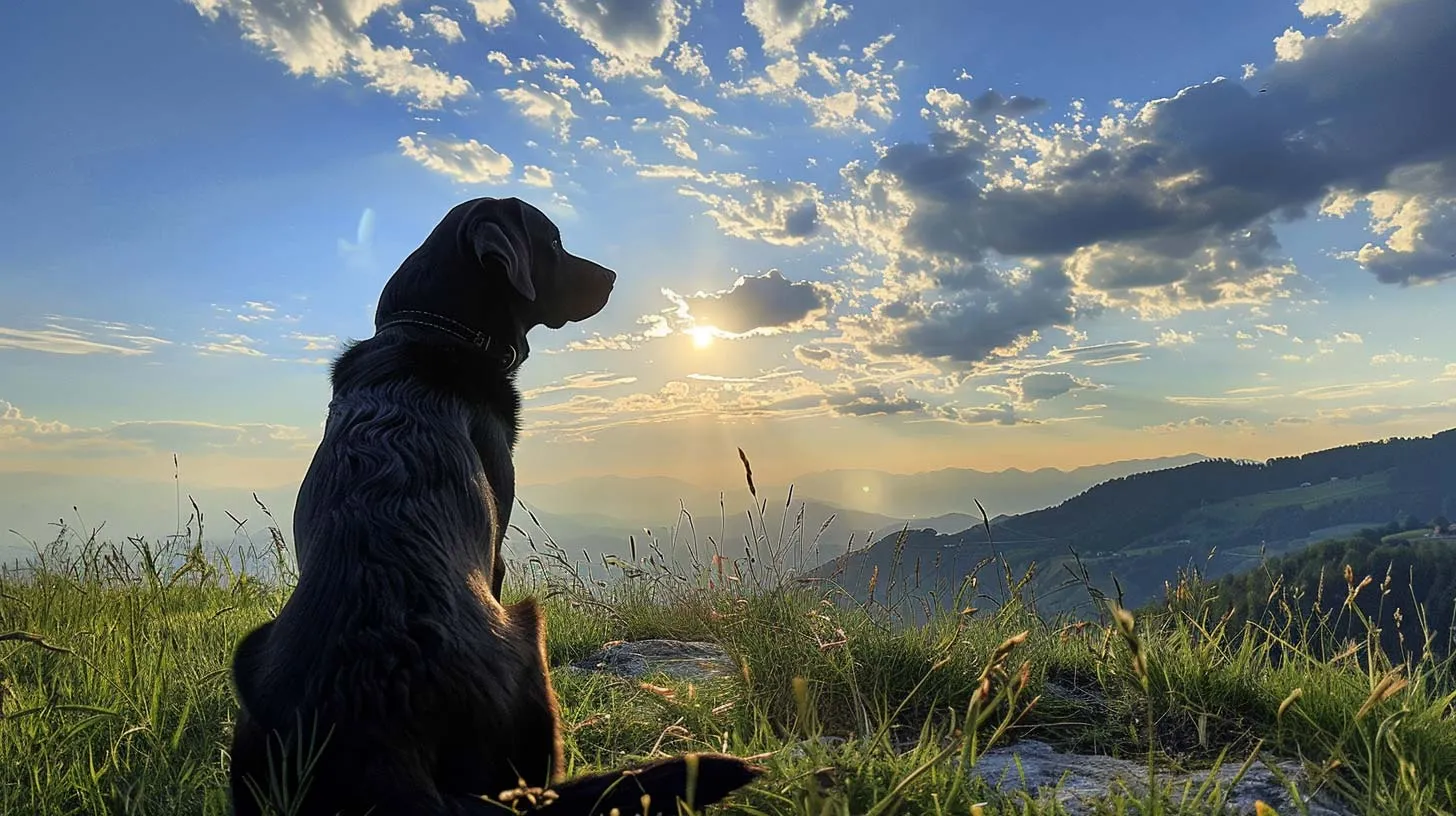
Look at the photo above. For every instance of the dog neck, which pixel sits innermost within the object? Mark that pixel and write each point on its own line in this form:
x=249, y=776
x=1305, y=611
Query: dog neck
x=465, y=372
x=511, y=357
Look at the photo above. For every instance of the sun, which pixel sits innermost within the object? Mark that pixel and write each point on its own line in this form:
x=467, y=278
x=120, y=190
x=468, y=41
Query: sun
x=702, y=336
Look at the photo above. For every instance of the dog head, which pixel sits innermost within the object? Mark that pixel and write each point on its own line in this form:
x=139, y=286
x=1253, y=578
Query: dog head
x=494, y=268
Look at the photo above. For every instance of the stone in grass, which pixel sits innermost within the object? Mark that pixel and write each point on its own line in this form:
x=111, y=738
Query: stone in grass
x=678, y=659
x=1077, y=780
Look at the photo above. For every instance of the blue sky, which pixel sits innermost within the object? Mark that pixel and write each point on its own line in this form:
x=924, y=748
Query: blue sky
x=984, y=235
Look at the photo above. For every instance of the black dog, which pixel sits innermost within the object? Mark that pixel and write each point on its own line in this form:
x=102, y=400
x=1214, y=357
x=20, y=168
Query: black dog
x=393, y=681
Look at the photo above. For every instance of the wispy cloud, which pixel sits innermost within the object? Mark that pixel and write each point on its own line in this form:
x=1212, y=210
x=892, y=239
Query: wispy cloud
x=467, y=161
x=79, y=336
x=1350, y=390
x=545, y=108
x=25, y=434
x=673, y=100
x=585, y=381
x=255, y=311
x=223, y=343
x=1200, y=423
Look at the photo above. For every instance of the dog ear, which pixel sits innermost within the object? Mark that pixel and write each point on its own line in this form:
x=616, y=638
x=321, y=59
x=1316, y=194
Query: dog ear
x=697, y=779
x=492, y=243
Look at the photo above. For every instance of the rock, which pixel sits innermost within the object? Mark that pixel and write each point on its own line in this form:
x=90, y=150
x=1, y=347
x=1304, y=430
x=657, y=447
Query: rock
x=678, y=659
x=1084, y=777
x=800, y=749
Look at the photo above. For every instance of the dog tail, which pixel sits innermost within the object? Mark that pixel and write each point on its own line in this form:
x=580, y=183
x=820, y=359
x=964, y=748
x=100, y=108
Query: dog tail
x=655, y=788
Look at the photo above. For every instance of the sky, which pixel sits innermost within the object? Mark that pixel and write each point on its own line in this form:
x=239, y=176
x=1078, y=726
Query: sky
x=985, y=235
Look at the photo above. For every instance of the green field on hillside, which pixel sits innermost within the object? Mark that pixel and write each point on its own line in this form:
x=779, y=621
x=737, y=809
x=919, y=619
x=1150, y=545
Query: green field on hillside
x=115, y=693
x=1206, y=524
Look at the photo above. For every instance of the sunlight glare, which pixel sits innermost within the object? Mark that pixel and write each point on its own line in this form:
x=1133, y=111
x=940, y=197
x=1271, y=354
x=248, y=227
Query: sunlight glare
x=702, y=336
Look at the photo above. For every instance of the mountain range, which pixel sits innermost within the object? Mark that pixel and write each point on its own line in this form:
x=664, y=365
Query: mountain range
x=1127, y=536
x=936, y=499
x=832, y=510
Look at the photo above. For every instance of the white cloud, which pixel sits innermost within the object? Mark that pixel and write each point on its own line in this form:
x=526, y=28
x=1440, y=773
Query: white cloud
x=326, y=40
x=524, y=65
x=62, y=334
x=1419, y=224
x=536, y=176
x=995, y=227
x=629, y=33
x=1173, y=337
x=853, y=90
x=446, y=27
x=676, y=101
x=493, y=13
x=584, y=381
x=227, y=343
x=568, y=84
x=255, y=311
x=1348, y=390
x=58, y=339
x=469, y=162
x=782, y=23
x=687, y=59
x=316, y=342
x=618, y=152
x=674, y=132
x=781, y=213
x=545, y=108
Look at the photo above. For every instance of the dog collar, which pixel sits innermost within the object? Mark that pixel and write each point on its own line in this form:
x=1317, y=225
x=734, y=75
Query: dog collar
x=452, y=327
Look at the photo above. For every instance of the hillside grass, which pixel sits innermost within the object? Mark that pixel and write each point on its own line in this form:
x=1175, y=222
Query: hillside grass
x=1213, y=523
x=115, y=695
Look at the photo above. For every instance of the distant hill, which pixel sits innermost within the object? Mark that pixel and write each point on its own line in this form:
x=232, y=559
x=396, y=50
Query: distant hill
x=955, y=490
x=1421, y=571
x=1135, y=531
x=31, y=503
x=805, y=532
x=929, y=498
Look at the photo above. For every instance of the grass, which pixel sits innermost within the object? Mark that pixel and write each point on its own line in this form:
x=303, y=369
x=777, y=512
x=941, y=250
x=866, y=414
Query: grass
x=115, y=695
x=1213, y=522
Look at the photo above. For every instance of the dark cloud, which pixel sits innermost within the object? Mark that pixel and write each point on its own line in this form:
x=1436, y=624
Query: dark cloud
x=868, y=399
x=818, y=357
x=630, y=30
x=769, y=301
x=803, y=220
x=252, y=439
x=992, y=103
x=782, y=23
x=998, y=414
x=1174, y=206
x=968, y=325
x=1422, y=241
x=1293, y=420
x=1045, y=385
